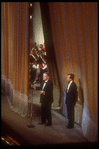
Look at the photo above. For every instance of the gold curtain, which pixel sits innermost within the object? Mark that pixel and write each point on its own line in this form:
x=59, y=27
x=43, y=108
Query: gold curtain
x=74, y=29
x=14, y=53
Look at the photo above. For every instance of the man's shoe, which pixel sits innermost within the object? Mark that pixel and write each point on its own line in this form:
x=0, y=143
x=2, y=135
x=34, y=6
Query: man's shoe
x=69, y=127
x=40, y=123
x=48, y=124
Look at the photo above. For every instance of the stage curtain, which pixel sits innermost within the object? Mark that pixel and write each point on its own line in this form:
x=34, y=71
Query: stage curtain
x=74, y=29
x=14, y=54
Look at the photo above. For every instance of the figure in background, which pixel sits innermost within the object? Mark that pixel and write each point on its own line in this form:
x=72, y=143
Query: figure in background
x=43, y=65
x=42, y=48
x=35, y=55
x=35, y=65
x=38, y=63
x=71, y=98
x=34, y=46
x=31, y=59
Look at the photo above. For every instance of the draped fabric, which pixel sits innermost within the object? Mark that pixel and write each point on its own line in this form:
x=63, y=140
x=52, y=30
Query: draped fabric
x=74, y=29
x=14, y=54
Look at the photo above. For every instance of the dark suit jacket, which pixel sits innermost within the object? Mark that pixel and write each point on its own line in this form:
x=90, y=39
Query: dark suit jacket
x=48, y=97
x=71, y=96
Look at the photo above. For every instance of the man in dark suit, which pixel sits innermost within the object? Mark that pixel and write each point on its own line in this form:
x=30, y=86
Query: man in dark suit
x=71, y=98
x=46, y=99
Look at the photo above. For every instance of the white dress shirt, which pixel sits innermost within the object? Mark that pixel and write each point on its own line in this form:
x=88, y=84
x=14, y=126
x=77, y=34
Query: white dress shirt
x=69, y=86
x=44, y=84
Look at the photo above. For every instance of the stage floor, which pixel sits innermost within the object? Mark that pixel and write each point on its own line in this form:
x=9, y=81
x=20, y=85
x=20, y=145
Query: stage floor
x=57, y=134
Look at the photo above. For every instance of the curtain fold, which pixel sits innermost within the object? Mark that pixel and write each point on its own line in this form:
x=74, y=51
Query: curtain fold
x=14, y=54
x=48, y=39
x=75, y=29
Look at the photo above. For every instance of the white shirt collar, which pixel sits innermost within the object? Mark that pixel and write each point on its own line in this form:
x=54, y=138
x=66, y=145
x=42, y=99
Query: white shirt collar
x=70, y=82
x=69, y=85
x=46, y=81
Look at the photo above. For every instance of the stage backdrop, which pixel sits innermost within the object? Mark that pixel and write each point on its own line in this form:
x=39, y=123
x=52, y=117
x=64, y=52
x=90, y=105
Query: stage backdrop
x=14, y=54
x=74, y=29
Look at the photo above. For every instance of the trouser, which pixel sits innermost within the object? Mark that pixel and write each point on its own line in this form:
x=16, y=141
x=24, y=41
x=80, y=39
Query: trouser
x=33, y=74
x=46, y=113
x=70, y=112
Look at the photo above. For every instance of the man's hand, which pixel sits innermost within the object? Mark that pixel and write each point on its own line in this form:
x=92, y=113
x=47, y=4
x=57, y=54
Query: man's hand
x=33, y=86
x=42, y=92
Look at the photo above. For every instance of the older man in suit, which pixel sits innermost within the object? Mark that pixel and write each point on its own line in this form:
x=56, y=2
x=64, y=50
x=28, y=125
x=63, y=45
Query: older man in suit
x=46, y=99
x=71, y=98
